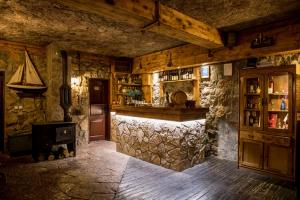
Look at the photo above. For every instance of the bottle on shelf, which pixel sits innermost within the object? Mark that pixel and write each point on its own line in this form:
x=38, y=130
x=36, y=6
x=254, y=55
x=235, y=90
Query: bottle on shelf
x=255, y=120
x=279, y=124
x=285, y=122
x=258, y=90
x=247, y=118
x=271, y=86
x=251, y=119
x=251, y=88
x=250, y=103
x=283, y=104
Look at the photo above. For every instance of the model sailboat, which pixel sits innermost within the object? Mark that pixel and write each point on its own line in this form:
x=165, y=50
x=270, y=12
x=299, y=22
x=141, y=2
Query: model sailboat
x=26, y=78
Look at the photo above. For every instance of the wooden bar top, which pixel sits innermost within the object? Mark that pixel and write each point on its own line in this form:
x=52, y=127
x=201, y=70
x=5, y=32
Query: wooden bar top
x=164, y=113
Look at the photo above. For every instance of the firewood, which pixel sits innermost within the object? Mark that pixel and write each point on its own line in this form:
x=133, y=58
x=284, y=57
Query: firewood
x=66, y=153
x=72, y=154
x=51, y=157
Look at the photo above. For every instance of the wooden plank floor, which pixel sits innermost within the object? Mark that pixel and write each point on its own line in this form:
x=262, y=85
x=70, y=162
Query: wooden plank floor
x=213, y=179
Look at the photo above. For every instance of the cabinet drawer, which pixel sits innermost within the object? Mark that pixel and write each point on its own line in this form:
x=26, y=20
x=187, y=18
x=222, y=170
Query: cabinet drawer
x=250, y=135
x=64, y=134
x=283, y=141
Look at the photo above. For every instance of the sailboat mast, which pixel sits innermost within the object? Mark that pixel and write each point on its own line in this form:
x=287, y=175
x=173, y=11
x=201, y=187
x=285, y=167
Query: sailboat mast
x=23, y=80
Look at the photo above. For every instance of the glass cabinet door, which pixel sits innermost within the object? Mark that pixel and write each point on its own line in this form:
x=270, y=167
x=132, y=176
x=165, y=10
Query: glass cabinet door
x=278, y=102
x=251, y=110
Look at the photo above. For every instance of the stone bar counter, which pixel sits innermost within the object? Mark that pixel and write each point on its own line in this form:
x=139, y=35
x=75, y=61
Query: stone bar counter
x=173, y=138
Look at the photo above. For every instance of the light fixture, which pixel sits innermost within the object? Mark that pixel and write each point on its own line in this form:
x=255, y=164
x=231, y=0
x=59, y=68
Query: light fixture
x=75, y=81
x=170, y=64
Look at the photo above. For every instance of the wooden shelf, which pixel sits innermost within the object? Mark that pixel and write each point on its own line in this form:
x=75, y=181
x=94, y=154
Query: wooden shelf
x=283, y=111
x=277, y=128
x=278, y=94
x=246, y=109
x=252, y=94
x=124, y=94
x=129, y=84
x=178, y=81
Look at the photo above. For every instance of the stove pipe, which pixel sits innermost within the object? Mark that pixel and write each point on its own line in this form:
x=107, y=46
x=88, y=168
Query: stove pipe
x=65, y=89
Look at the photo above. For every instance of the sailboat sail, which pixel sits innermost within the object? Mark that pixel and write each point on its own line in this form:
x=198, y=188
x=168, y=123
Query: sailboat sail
x=31, y=76
x=26, y=77
x=17, y=77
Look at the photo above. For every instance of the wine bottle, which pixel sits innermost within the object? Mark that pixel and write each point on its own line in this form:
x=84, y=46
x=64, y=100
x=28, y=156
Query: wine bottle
x=251, y=119
x=271, y=86
x=255, y=120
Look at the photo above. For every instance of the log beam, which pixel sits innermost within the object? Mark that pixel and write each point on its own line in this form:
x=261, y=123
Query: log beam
x=147, y=15
x=287, y=40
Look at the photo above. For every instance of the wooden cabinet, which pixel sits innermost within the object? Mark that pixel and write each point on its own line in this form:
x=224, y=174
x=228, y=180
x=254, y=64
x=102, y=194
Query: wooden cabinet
x=251, y=153
x=267, y=120
x=278, y=159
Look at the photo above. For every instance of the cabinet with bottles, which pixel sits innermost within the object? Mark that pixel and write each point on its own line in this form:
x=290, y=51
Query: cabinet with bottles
x=267, y=119
x=251, y=107
x=126, y=88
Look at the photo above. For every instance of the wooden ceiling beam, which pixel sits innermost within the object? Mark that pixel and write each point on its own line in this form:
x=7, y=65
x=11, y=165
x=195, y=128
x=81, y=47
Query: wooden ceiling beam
x=287, y=39
x=153, y=17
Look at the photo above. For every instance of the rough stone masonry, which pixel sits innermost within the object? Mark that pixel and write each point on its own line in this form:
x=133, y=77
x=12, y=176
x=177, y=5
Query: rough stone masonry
x=173, y=145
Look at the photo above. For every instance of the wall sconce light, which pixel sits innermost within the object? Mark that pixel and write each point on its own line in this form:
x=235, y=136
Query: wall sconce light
x=75, y=81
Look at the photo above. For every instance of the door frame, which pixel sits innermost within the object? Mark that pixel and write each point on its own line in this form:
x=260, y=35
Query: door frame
x=107, y=119
x=2, y=111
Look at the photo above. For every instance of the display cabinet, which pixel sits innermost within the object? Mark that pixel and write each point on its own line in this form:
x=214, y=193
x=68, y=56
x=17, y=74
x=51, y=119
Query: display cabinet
x=267, y=130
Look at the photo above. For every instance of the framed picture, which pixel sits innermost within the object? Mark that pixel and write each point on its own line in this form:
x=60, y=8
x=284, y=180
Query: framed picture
x=205, y=71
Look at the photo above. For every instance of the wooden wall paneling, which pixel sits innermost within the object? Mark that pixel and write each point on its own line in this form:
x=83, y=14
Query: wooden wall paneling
x=147, y=87
x=19, y=46
x=287, y=40
x=197, y=90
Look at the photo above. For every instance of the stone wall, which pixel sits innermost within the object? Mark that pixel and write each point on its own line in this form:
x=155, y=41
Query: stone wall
x=155, y=89
x=173, y=145
x=221, y=95
x=84, y=67
x=21, y=112
x=185, y=86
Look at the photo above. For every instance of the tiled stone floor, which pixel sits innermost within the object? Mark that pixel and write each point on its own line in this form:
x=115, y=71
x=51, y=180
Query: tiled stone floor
x=100, y=173
x=95, y=174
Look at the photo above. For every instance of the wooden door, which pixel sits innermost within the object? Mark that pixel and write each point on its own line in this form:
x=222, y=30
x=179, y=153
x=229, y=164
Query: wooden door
x=279, y=159
x=1, y=111
x=99, y=109
x=251, y=153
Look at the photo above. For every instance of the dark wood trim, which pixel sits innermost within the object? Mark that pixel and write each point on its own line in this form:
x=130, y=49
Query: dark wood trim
x=2, y=110
x=107, y=120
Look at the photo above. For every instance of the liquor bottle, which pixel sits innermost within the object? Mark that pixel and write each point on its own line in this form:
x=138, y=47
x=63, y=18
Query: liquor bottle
x=251, y=89
x=258, y=90
x=255, y=120
x=283, y=104
x=251, y=119
x=247, y=118
x=250, y=104
x=271, y=86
